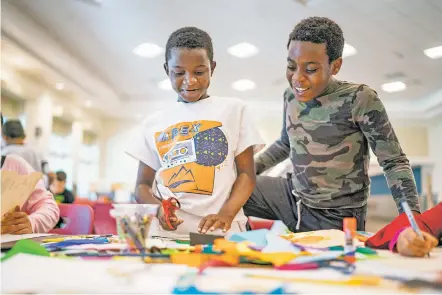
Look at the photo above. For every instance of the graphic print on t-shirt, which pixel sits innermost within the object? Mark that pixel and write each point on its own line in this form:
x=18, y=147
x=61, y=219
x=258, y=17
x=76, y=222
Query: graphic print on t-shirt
x=189, y=153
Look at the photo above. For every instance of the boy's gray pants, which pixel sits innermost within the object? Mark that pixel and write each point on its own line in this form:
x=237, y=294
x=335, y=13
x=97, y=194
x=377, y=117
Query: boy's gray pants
x=273, y=199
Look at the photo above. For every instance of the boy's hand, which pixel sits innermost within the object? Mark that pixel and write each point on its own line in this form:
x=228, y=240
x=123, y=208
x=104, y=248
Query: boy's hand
x=215, y=221
x=409, y=244
x=16, y=223
x=173, y=219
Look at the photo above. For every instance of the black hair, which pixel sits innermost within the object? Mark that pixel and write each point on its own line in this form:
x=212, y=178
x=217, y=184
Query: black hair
x=189, y=37
x=61, y=175
x=320, y=30
x=13, y=129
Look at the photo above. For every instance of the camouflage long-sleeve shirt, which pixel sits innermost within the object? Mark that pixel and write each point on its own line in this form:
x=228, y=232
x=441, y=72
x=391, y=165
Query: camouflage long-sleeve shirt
x=328, y=142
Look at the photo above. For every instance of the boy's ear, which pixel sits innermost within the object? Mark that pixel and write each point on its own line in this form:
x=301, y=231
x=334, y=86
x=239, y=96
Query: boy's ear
x=336, y=66
x=212, y=67
x=166, y=68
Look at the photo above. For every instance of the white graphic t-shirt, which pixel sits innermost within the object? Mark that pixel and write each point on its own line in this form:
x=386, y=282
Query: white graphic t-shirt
x=193, y=146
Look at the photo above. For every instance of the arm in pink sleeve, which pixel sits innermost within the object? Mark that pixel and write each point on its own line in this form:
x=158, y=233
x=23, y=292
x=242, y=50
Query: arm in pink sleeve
x=42, y=209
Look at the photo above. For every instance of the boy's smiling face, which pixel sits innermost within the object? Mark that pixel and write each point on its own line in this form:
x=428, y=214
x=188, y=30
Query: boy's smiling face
x=309, y=70
x=190, y=71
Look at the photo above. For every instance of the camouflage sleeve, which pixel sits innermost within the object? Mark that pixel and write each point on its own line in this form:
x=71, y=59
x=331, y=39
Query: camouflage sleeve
x=372, y=119
x=277, y=151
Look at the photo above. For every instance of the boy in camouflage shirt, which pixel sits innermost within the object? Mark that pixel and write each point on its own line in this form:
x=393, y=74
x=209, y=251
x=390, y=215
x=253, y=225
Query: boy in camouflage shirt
x=328, y=126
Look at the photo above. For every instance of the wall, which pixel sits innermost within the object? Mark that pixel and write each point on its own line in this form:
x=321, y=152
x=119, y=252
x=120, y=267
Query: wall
x=435, y=152
x=116, y=165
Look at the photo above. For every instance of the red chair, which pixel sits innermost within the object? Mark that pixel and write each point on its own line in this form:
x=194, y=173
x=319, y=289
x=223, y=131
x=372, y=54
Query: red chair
x=104, y=224
x=84, y=201
x=258, y=223
x=78, y=218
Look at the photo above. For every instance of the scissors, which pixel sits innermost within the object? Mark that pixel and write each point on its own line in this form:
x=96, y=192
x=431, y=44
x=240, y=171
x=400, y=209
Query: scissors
x=169, y=207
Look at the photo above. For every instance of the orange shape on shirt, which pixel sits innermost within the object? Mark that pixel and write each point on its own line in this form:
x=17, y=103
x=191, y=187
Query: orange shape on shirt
x=189, y=178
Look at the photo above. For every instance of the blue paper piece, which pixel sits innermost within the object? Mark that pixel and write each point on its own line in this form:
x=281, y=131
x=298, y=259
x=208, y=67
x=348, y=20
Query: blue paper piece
x=277, y=244
x=194, y=290
x=186, y=285
x=279, y=228
x=258, y=237
x=74, y=242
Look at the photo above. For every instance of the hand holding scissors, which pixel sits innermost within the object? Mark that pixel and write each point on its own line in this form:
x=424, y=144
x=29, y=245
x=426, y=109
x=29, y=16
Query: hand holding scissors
x=166, y=215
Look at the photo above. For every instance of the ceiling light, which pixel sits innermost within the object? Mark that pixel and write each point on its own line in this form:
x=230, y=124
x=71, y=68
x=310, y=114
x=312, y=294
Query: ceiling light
x=243, y=85
x=348, y=51
x=394, y=86
x=435, y=52
x=243, y=50
x=88, y=103
x=59, y=86
x=149, y=50
x=165, y=85
x=57, y=111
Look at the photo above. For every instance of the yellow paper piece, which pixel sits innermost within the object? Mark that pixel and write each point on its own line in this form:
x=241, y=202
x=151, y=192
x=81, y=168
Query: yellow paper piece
x=16, y=189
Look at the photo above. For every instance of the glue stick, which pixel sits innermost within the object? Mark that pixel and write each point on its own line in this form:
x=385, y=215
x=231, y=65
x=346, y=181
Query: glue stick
x=350, y=232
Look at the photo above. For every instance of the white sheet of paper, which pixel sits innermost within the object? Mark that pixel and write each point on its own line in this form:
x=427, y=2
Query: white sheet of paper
x=37, y=274
x=12, y=238
x=16, y=188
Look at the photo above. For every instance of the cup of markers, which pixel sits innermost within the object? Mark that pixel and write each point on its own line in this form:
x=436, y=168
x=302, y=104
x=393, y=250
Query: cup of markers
x=133, y=224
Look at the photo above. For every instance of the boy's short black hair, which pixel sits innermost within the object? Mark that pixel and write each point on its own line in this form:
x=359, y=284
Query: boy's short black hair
x=189, y=37
x=13, y=129
x=320, y=30
x=61, y=175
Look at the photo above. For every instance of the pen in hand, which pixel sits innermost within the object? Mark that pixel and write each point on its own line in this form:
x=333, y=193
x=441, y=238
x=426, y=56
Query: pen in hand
x=412, y=221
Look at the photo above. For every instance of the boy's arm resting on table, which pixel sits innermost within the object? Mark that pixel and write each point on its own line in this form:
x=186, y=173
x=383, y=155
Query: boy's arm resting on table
x=241, y=192
x=371, y=117
x=280, y=149
x=42, y=210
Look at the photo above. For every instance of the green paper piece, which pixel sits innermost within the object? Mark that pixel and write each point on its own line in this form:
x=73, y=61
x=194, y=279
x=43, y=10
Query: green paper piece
x=362, y=250
x=366, y=251
x=28, y=247
x=183, y=242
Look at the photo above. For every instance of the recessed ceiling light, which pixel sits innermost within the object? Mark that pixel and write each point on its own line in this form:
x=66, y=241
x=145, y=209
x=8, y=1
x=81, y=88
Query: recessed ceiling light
x=394, y=86
x=348, y=51
x=435, y=52
x=57, y=111
x=243, y=50
x=165, y=85
x=243, y=85
x=149, y=50
x=88, y=103
x=59, y=86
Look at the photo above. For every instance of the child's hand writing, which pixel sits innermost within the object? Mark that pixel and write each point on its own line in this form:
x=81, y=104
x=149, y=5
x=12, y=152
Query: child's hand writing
x=215, y=221
x=16, y=223
x=173, y=220
x=409, y=243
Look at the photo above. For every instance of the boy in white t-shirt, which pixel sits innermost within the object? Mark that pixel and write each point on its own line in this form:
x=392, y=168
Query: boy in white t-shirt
x=198, y=150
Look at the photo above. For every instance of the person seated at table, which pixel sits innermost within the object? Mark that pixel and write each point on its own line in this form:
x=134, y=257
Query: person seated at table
x=399, y=236
x=58, y=188
x=39, y=213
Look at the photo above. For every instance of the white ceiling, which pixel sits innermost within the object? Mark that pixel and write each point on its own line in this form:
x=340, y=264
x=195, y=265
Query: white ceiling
x=90, y=45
